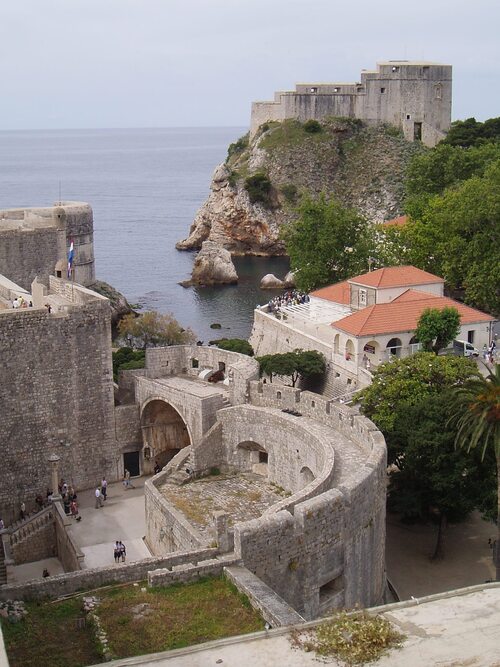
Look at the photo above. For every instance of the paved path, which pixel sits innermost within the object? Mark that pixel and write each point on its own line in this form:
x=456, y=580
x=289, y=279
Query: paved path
x=121, y=518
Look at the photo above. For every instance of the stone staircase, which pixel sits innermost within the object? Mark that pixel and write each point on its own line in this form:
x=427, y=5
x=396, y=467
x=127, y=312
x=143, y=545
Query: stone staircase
x=180, y=477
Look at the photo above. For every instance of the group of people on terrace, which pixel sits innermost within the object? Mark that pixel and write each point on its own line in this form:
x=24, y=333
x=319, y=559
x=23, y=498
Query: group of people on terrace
x=288, y=298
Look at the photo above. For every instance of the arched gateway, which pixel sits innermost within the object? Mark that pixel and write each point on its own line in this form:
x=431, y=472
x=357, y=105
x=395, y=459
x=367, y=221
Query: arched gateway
x=164, y=432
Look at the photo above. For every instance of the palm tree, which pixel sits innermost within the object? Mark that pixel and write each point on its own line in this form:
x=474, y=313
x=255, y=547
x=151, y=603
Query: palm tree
x=476, y=415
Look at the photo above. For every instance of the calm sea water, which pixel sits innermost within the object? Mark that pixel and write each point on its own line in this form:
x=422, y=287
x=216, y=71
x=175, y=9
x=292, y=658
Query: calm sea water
x=145, y=187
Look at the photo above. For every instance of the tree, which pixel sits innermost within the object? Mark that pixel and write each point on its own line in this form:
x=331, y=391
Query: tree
x=457, y=237
x=476, y=416
x=433, y=479
x=151, y=329
x=235, y=345
x=296, y=364
x=470, y=132
x=327, y=242
x=403, y=383
x=437, y=328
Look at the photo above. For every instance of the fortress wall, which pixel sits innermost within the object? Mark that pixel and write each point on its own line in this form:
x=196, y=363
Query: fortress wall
x=167, y=528
x=180, y=359
x=28, y=253
x=35, y=241
x=263, y=112
x=211, y=451
x=127, y=424
x=292, y=444
x=56, y=393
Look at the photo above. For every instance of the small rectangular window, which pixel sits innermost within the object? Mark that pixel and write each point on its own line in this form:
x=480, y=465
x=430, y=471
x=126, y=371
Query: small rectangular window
x=336, y=89
x=313, y=90
x=408, y=116
x=194, y=363
x=362, y=297
x=382, y=90
x=395, y=69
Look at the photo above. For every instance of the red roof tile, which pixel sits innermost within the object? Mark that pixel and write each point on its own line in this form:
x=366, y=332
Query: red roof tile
x=338, y=293
x=395, y=276
x=403, y=314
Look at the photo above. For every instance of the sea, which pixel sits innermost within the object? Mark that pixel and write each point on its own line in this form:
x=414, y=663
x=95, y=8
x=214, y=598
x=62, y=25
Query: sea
x=144, y=186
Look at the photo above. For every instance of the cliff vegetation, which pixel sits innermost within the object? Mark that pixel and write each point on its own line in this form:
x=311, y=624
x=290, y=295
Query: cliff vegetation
x=254, y=193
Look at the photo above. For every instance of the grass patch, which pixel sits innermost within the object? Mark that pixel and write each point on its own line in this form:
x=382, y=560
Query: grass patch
x=354, y=638
x=290, y=133
x=182, y=615
x=48, y=636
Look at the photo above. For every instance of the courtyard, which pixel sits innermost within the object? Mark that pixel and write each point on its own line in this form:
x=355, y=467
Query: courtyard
x=243, y=496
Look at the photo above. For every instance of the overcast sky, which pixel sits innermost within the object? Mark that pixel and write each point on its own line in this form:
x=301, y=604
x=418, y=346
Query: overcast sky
x=161, y=63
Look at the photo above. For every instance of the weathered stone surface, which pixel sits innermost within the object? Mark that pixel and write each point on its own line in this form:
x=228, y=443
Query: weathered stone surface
x=364, y=167
x=269, y=281
x=119, y=304
x=213, y=266
x=289, y=279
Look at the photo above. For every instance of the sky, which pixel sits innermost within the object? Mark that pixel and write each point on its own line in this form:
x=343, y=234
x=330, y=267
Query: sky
x=184, y=63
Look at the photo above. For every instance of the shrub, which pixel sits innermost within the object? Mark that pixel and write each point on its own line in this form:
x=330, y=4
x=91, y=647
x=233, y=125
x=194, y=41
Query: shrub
x=235, y=345
x=312, y=126
x=289, y=191
x=233, y=178
x=238, y=146
x=125, y=358
x=259, y=188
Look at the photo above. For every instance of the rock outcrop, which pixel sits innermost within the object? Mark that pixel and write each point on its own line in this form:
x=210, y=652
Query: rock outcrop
x=269, y=281
x=363, y=167
x=213, y=266
x=119, y=304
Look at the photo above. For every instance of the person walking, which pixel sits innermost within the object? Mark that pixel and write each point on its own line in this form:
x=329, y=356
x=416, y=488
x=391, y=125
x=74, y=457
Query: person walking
x=123, y=551
x=104, y=488
x=126, y=480
x=22, y=512
x=98, y=498
x=117, y=552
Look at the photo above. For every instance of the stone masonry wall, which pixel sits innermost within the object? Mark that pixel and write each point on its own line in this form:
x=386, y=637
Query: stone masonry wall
x=56, y=393
x=27, y=254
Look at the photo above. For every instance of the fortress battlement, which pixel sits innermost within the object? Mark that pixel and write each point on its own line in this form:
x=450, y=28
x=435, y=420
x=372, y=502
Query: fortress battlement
x=412, y=96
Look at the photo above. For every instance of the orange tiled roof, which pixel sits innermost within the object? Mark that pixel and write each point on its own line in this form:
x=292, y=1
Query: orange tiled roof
x=395, y=276
x=339, y=293
x=403, y=314
x=396, y=222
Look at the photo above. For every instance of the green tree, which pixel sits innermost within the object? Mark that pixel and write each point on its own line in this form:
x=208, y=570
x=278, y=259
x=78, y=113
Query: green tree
x=126, y=358
x=327, y=242
x=470, y=132
x=476, y=416
x=296, y=364
x=434, y=480
x=437, y=328
x=458, y=238
x=152, y=329
x=398, y=385
x=259, y=188
x=235, y=345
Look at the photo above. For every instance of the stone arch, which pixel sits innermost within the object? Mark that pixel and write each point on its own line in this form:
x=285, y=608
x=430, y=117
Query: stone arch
x=394, y=346
x=252, y=457
x=306, y=476
x=164, y=431
x=349, y=350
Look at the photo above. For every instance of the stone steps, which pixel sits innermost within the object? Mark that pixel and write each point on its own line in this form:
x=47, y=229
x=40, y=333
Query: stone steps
x=180, y=477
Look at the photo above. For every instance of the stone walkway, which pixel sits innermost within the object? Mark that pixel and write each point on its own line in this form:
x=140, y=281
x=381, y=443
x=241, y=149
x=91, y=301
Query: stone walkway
x=121, y=518
x=243, y=496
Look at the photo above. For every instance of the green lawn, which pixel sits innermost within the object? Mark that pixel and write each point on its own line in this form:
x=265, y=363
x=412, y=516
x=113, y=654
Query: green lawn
x=136, y=622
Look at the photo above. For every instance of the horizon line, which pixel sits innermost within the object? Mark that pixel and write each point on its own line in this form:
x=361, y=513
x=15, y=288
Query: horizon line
x=154, y=127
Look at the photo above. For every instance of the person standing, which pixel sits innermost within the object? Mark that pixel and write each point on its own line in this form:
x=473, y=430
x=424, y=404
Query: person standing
x=2, y=525
x=104, y=488
x=98, y=498
x=123, y=551
x=116, y=552
x=22, y=512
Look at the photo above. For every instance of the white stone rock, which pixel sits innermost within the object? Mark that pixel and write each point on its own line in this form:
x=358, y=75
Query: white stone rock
x=269, y=281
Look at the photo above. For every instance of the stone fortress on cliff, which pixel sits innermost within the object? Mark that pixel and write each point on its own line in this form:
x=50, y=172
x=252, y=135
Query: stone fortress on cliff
x=310, y=530
x=412, y=96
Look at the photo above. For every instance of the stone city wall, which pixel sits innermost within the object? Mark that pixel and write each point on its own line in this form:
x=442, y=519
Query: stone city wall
x=34, y=539
x=68, y=552
x=84, y=580
x=60, y=364
x=167, y=529
x=35, y=242
x=128, y=424
x=178, y=360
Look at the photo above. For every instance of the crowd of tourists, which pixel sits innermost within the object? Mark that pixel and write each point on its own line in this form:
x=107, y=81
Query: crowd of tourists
x=288, y=298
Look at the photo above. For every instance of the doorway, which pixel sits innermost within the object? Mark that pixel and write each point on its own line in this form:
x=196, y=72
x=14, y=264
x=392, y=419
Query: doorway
x=131, y=463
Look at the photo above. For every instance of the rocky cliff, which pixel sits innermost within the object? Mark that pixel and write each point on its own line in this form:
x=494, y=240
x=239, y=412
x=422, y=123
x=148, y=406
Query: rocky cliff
x=363, y=166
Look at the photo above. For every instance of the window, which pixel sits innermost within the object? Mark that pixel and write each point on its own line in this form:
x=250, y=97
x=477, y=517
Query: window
x=438, y=91
x=278, y=394
x=313, y=89
x=336, y=89
x=408, y=116
x=382, y=90
x=58, y=274
x=417, y=131
x=313, y=404
x=470, y=336
x=395, y=69
x=362, y=297
x=194, y=363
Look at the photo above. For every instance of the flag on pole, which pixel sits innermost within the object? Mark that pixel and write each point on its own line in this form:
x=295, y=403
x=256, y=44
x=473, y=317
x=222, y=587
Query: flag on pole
x=71, y=254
